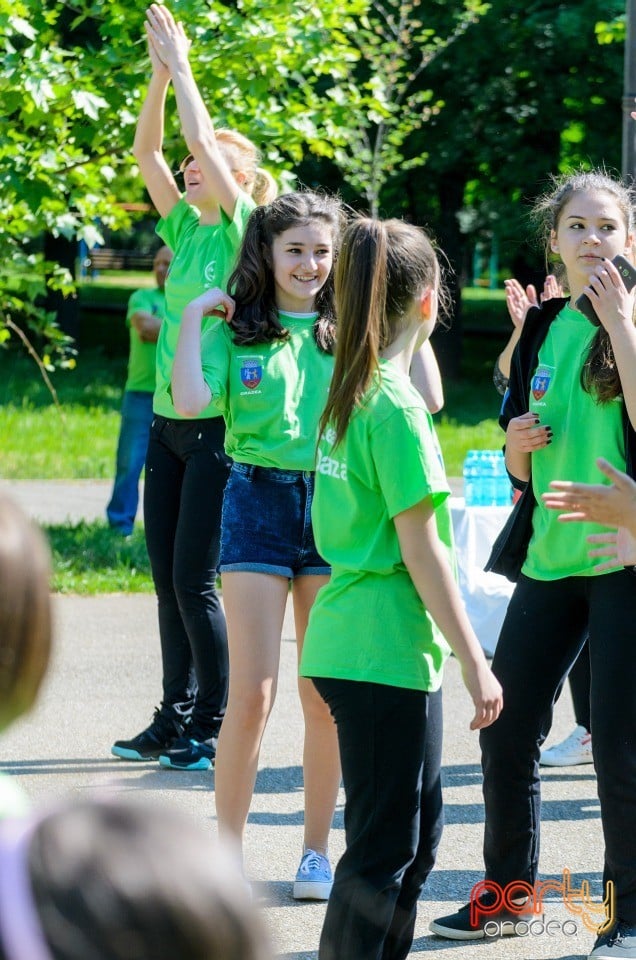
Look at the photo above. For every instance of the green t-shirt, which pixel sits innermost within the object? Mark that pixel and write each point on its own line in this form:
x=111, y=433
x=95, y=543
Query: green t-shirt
x=204, y=257
x=583, y=430
x=142, y=356
x=270, y=394
x=368, y=623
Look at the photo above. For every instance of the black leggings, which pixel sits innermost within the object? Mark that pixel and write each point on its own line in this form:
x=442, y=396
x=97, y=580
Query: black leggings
x=186, y=472
x=390, y=742
x=544, y=630
x=580, y=682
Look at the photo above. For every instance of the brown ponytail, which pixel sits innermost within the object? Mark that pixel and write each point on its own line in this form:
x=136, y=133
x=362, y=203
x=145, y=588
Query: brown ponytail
x=383, y=266
x=363, y=303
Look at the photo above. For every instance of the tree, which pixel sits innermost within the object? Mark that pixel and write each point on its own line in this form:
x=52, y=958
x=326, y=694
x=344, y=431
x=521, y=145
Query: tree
x=387, y=98
x=449, y=112
x=72, y=78
x=549, y=102
x=528, y=90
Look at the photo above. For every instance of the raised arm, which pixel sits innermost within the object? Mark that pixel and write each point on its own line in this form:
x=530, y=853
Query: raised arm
x=171, y=45
x=426, y=377
x=431, y=574
x=148, y=143
x=190, y=392
x=614, y=306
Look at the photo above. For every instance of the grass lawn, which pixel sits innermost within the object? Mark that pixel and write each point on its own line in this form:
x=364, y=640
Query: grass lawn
x=91, y=558
x=78, y=441
x=38, y=440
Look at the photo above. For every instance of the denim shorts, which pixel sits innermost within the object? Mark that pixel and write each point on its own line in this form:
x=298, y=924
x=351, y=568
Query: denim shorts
x=266, y=523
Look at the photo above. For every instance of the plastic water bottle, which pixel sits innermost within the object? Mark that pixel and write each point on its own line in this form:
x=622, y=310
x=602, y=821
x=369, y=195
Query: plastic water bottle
x=502, y=482
x=480, y=489
x=488, y=479
x=470, y=478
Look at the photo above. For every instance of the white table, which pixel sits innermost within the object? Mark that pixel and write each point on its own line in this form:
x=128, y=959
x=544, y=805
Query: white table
x=485, y=595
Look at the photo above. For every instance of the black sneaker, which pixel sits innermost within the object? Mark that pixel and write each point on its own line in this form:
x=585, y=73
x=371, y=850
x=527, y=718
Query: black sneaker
x=461, y=926
x=616, y=943
x=187, y=753
x=168, y=723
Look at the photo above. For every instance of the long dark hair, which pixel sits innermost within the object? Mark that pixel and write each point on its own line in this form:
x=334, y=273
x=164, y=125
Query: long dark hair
x=599, y=374
x=383, y=266
x=252, y=283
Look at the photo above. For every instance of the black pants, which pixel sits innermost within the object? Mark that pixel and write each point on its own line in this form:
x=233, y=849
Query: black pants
x=186, y=472
x=390, y=748
x=580, y=682
x=541, y=636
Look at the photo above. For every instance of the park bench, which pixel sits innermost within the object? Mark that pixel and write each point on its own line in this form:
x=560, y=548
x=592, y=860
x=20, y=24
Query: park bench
x=105, y=258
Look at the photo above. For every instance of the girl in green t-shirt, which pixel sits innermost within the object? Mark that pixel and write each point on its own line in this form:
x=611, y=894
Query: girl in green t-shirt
x=571, y=397
x=377, y=635
x=186, y=468
x=268, y=371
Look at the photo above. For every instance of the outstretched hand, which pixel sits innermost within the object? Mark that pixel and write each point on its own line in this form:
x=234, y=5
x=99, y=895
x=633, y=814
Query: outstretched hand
x=613, y=505
x=158, y=66
x=551, y=288
x=519, y=300
x=166, y=37
x=619, y=548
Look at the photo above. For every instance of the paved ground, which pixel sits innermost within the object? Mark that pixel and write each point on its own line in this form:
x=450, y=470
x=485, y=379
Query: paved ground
x=58, y=501
x=104, y=683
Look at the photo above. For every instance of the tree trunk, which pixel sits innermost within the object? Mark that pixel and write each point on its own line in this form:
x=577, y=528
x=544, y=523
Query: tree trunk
x=447, y=342
x=66, y=309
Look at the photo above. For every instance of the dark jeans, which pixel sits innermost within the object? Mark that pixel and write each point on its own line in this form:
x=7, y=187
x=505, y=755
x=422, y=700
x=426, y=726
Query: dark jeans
x=136, y=417
x=390, y=747
x=541, y=636
x=186, y=471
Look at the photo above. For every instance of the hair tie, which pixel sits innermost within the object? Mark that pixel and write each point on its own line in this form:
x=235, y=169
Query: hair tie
x=20, y=930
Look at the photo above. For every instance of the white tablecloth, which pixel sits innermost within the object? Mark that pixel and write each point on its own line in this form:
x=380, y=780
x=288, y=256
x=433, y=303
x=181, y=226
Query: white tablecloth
x=485, y=595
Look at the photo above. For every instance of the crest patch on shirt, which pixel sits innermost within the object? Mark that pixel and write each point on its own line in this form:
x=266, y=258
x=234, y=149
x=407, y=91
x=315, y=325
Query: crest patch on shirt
x=251, y=372
x=210, y=272
x=541, y=382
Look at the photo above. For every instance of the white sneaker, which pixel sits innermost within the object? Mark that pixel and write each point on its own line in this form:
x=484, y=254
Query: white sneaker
x=575, y=749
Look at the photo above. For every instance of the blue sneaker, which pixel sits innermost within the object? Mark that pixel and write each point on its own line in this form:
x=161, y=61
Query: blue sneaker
x=617, y=943
x=189, y=754
x=314, y=879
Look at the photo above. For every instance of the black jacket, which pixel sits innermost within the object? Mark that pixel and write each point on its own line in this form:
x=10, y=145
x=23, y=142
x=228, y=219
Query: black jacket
x=509, y=550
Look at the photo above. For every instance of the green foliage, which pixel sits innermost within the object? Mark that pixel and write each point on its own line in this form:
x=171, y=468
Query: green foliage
x=528, y=90
x=612, y=31
x=385, y=100
x=65, y=134
x=450, y=112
